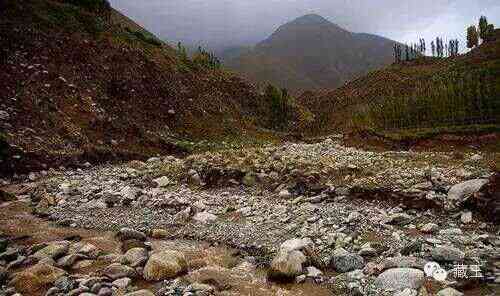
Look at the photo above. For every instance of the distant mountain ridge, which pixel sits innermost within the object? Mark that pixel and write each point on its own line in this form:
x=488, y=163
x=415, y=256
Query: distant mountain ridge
x=311, y=52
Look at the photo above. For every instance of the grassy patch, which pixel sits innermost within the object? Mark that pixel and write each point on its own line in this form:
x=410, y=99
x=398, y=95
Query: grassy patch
x=69, y=17
x=428, y=133
x=144, y=36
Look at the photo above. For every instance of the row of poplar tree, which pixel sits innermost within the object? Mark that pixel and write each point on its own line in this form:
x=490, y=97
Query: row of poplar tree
x=405, y=52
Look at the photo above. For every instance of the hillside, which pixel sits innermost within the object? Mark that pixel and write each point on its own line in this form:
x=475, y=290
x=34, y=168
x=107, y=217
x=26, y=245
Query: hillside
x=425, y=93
x=80, y=83
x=312, y=53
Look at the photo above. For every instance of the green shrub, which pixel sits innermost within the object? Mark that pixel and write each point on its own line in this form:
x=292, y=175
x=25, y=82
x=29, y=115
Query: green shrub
x=145, y=37
x=206, y=60
x=280, y=106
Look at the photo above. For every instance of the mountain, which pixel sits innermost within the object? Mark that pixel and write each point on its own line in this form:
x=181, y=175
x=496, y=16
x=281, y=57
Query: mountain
x=81, y=82
x=311, y=53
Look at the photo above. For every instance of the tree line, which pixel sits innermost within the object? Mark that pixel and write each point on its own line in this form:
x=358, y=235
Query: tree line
x=405, y=52
x=440, y=49
x=449, y=101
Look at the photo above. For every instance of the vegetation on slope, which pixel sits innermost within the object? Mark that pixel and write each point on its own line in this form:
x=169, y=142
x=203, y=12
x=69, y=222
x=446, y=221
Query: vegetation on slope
x=423, y=93
x=82, y=82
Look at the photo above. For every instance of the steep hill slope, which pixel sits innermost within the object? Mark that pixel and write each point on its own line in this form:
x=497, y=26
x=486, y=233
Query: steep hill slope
x=425, y=93
x=79, y=83
x=310, y=53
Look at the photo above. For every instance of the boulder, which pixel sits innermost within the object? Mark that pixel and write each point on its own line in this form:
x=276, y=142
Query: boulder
x=202, y=289
x=344, y=261
x=287, y=265
x=449, y=292
x=34, y=279
x=159, y=233
x=82, y=264
x=64, y=284
x=127, y=234
x=133, y=243
x=402, y=262
x=117, y=270
x=290, y=260
x=141, y=293
x=54, y=250
x=297, y=244
x=313, y=272
x=447, y=254
x=162, y=181
x=285, y=194
x=460, y=193
x=122, y=283
x=398, y=279
x=69, y=260
x=164, y=265
x=136, y=257
x=10, y=254
x=205, y=217
x=87, y=249
x=105, y=291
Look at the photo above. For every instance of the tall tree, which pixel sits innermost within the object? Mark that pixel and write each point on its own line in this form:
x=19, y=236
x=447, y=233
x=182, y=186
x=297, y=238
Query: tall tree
x=397, y=53
x=483, y=28
x=438, y=48
x=472, y=37
x=433, y=48
x=490, y=32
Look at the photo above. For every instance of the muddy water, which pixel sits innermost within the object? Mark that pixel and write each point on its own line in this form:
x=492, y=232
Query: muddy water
x=215, y=265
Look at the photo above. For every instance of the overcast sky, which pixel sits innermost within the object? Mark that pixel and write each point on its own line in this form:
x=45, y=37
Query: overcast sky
x=235, y=22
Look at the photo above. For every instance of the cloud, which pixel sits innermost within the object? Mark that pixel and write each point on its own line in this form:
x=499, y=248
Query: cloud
x=233, y=22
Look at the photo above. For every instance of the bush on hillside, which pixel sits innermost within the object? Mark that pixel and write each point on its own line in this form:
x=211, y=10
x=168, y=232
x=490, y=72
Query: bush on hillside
x=98, y=6
x=280, y=104
x=206, y=60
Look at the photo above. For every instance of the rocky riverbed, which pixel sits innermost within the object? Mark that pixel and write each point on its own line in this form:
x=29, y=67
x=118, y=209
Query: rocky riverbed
x=293, y=219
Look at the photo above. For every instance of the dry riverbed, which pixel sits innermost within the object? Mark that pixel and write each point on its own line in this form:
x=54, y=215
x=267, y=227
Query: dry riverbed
x=295, y=219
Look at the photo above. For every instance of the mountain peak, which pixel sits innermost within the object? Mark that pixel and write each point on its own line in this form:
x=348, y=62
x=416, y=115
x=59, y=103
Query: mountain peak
x=311, y=19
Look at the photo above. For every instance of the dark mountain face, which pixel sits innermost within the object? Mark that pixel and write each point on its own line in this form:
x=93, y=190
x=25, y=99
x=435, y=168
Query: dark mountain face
x=310, y=53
